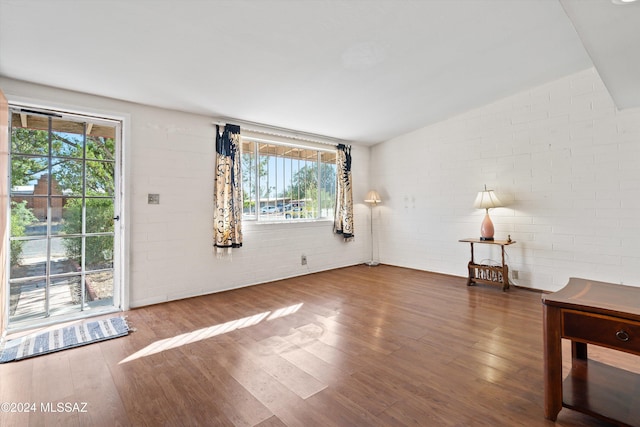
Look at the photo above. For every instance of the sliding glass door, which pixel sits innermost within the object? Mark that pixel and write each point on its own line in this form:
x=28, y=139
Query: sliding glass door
x=64, y=203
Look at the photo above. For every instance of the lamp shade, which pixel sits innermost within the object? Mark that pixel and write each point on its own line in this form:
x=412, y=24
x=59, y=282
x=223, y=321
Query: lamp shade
x=373, y=197
x=487, y=199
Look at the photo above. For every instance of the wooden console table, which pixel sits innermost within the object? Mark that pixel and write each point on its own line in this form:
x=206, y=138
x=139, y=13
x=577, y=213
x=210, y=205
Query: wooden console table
x=598, y=313
x=492, y=274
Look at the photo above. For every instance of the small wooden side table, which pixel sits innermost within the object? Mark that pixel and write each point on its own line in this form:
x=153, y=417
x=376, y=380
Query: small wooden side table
x=594, y=313
x=491, y=274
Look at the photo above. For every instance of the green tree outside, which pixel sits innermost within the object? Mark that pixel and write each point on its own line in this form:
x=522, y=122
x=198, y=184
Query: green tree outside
x=304, y=186
x=75, y=162
x=21, y=217
x=99, y=219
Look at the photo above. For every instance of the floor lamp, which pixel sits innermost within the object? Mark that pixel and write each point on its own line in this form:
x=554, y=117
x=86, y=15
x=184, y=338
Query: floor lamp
x=373, y=198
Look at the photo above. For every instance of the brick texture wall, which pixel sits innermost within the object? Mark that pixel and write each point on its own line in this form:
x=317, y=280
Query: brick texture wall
x=560, y=155
x=167, y=248
x=37, y=202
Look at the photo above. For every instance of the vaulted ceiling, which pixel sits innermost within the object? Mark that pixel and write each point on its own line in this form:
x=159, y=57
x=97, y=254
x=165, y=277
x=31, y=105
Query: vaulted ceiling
x=362, y=71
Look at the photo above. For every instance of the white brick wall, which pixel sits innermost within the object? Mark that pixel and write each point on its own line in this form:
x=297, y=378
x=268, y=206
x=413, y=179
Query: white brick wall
x=566, y=162
x=170, y=254
x=560, y=155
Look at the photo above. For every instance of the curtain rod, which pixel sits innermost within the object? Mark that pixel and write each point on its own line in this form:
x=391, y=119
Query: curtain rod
x=279, y=131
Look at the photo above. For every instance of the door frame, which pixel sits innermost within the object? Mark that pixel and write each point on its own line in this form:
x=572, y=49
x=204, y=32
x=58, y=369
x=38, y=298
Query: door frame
x=4, y=209
x=121, y=236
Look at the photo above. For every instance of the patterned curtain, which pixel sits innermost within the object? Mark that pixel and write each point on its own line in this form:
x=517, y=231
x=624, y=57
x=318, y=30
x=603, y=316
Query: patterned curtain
x=227, y=219
x=343, y=222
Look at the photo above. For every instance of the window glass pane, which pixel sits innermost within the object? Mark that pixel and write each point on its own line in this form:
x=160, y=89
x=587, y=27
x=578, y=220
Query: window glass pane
x=264, y=186
x=99, y=146
x=23, y=220
x=99, y=215
x=249, y=179
x=28, y=258
x=99, y=288
x=303, y=188
x=67, y=177
x=60, y=264
x=99, y=252
x=293, y=191
x=327, y=191
x=27, y=172
x=67, y=138
x=29, y=134
x=66, y=294
x=67, y=251
x=279, y=179
x=100, y=178
x=26, y=299
x=71, y=221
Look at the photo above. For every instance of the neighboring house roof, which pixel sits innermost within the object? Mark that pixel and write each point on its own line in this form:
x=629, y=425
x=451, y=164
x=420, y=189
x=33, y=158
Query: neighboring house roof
x=23, y=190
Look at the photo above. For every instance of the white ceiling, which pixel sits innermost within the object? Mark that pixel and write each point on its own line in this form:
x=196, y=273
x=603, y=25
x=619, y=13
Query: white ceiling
x=362, y=71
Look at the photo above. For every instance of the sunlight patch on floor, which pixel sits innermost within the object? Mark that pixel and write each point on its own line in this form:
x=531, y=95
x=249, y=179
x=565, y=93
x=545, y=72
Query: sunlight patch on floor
x=211, y=331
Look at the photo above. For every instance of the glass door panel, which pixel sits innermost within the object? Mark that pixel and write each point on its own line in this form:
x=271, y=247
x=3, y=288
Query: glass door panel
x=101, y=148
x=65, y=254
x=67, y=138
x=99, y=290
x=65, y=295
x=63, y=204
x=30, y=140
x=28, y=258
x=99, y=252
x=99, y=215
x=70, y=218
x=68, y=177
x=27, y=299
x=100, y=179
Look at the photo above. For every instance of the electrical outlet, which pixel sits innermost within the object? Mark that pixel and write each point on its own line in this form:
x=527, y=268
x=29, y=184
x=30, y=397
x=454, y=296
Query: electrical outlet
x=514, y=273
x=303, y=260
x=153, y=199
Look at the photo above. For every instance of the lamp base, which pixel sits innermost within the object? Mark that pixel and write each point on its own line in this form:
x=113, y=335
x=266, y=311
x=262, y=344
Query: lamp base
x=486, y=229
x=372, y=263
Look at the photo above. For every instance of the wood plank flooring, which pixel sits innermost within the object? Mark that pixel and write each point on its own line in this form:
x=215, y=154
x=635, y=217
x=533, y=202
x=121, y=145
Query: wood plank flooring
x=357, y=346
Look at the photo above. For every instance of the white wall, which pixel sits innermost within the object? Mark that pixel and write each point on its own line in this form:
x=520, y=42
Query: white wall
x=560, y=154
x=566, y=162
x=169, y=252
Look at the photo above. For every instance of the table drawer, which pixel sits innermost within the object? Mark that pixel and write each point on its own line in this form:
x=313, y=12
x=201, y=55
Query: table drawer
x=607, y=331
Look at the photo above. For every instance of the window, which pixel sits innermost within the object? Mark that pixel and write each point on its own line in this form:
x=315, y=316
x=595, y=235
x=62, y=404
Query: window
x=287, y=182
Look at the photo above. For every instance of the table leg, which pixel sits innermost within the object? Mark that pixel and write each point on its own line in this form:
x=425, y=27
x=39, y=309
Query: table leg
x=505, y=277
x=470, y=268
x=578, y=350
x=552, y=362
x=505, y=272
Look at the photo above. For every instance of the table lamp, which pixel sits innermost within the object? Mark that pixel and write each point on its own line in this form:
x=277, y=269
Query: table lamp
x=486, y=200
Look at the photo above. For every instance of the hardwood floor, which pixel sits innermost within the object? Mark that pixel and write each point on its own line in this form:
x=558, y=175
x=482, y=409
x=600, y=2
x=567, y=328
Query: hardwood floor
x=357, y=346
